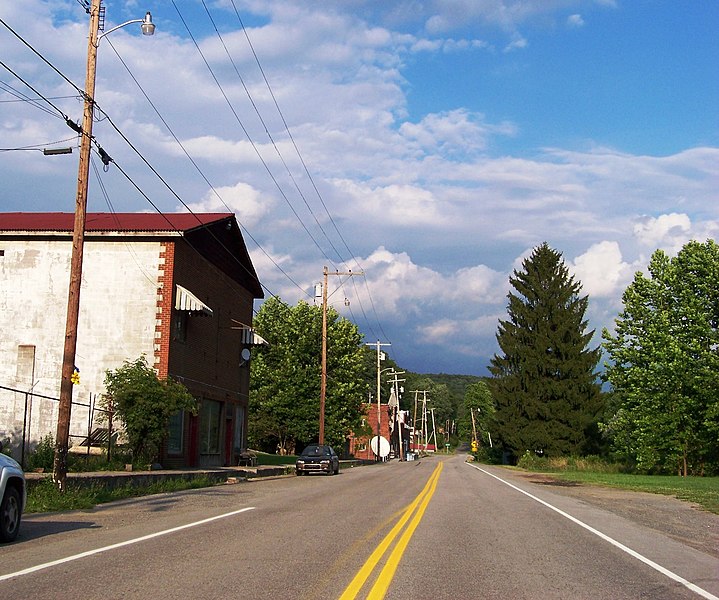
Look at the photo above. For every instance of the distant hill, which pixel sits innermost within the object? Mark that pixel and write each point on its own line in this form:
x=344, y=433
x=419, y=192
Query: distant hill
x=457, y=384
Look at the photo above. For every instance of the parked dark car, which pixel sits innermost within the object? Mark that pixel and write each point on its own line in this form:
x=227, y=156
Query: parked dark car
x=12, y=497
x=317, y=459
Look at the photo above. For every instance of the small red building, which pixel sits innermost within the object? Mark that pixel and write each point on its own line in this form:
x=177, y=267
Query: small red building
x=395, y=428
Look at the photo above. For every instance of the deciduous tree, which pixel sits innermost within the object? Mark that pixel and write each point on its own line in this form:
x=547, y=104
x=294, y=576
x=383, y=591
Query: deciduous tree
x=477, y=398
x=664, y=363
x=145, y=404
x=285, y=377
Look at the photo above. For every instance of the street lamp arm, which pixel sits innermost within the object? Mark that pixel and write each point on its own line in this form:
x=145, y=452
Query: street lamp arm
x=148, y=27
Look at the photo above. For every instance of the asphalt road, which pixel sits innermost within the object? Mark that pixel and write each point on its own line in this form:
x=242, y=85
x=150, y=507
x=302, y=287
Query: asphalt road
x=430, y=529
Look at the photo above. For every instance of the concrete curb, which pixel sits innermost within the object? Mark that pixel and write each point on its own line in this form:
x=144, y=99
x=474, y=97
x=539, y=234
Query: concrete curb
x=113, y=479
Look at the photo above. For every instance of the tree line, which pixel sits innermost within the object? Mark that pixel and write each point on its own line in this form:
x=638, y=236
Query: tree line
x=646, y=396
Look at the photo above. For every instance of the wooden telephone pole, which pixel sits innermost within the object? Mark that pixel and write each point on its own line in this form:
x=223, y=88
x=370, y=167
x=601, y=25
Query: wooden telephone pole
x=78, y=241
x=96, y=12
x=323, y=381
x=378, y=345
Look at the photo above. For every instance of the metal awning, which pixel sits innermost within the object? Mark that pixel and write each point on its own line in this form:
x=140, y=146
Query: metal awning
x=250, y=338
x=186, y=300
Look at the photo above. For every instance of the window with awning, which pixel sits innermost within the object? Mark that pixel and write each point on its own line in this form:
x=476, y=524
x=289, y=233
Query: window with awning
x=186, y=301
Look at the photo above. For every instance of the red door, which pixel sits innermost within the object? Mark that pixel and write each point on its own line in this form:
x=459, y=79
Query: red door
x=229, y=430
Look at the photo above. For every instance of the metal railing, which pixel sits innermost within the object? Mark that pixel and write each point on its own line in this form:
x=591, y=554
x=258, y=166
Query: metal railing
x=39, y=418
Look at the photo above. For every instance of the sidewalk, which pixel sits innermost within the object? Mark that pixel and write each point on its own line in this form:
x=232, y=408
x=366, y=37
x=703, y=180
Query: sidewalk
x=112, y=479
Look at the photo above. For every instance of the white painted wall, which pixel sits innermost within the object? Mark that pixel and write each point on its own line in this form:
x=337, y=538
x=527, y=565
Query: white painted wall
x=118, y=315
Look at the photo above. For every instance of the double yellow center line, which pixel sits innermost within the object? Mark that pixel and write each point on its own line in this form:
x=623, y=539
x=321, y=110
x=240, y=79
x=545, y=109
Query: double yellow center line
x=381, y=585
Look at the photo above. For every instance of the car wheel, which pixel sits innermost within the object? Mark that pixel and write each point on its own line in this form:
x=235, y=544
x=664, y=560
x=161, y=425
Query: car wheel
x=298, y=472
x=10, y=515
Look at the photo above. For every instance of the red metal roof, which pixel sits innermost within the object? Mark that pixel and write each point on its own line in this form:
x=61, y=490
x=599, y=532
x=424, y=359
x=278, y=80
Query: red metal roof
x=151, y=222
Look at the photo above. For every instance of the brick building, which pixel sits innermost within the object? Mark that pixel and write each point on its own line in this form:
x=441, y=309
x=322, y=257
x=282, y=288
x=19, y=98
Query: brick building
x=394, y=426
x=178, y=288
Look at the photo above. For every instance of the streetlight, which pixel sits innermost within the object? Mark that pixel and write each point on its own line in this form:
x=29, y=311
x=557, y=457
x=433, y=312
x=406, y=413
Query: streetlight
x=78, y=239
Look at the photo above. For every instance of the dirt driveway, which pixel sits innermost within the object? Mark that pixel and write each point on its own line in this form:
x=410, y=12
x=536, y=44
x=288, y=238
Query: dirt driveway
x=683, y=521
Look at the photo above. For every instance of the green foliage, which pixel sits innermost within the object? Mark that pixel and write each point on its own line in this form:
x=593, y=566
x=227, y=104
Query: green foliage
x=5, y=447
x=477, y=398
x=145, y=404
x=664, y=364
x=45, y=496
x=286, y=377
x=43, y=456
x=544, y=383
x=544, y=464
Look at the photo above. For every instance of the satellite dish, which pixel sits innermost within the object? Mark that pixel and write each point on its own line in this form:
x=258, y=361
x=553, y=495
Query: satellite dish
x=383, y=446
x=245, y=354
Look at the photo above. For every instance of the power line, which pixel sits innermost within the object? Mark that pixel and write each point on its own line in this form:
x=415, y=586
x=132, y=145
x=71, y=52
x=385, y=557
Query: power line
x=199, y=170
x=304, y=165
x=252, y=143
x=269, y=135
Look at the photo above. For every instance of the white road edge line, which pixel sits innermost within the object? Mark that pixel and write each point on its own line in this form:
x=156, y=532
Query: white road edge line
x=693, y=587
x=144, y=538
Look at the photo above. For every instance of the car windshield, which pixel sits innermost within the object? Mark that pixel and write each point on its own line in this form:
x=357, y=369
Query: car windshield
x=316, y=451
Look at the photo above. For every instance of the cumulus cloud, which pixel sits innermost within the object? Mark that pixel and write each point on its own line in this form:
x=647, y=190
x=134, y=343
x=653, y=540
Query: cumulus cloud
x=601, y=270
x=248, y=204
x=669, y=232
x=435, y=198
x=457, y=131
x=397, y=205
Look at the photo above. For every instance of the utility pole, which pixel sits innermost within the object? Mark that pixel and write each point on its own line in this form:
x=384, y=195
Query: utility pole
x=378, y=345
x=78, y=241
x=323, y=381
x=395, y=386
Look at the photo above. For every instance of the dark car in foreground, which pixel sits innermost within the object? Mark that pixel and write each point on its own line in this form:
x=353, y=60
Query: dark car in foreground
x=317, y=459
x=12, y=497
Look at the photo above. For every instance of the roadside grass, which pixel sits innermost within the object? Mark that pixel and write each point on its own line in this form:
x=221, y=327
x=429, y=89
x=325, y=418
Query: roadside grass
x=593, y=470
x=265, y=459
x=44, y=496
x=700, y=490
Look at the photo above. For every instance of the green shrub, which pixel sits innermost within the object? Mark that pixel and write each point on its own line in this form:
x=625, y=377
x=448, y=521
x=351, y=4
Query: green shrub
x=531, y=462
x=43, y=456
x=5, y=447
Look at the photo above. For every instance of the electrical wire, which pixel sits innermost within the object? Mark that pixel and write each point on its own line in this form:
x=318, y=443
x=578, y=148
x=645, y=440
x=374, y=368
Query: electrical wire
x=79, y=130
x=199, y=170
x=269, y=135
x=249, y=138
x=306, y=169
x=106, y=159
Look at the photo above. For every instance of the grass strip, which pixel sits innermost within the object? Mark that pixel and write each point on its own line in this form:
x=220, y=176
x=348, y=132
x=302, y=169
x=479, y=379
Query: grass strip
x=703, y=491
x=45, y=496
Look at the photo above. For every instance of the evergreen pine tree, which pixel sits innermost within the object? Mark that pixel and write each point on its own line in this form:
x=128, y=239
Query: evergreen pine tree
x=544, y=382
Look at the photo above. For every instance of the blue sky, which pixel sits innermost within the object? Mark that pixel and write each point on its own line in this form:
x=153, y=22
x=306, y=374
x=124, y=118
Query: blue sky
x=445, y=140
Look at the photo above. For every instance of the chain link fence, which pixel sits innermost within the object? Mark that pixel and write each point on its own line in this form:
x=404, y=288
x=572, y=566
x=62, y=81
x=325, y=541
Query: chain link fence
x=27, y=417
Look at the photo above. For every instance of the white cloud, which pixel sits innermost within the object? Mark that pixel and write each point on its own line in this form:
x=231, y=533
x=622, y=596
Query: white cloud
x=601, y=270
x=438, y=197
x=669, y=232
x=249, y=204
x=457, y=131
x=395, y=205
